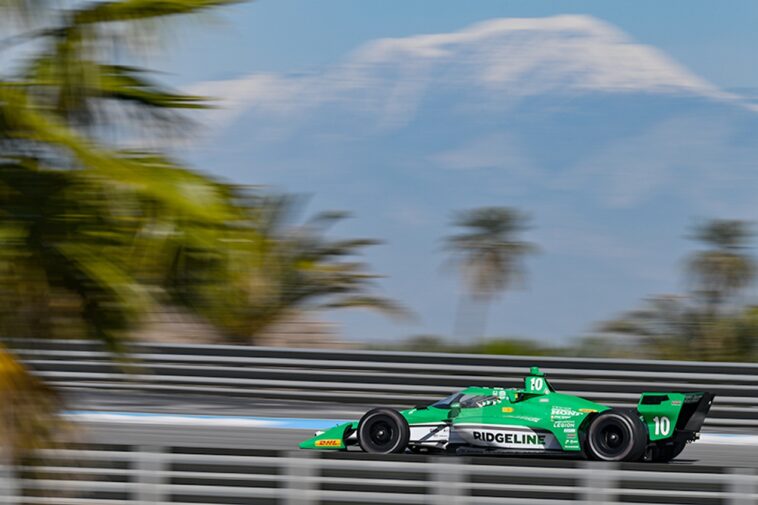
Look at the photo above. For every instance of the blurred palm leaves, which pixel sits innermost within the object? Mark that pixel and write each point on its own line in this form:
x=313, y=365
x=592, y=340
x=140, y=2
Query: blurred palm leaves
x=77, y=212
x=93, y=236
x=27, y=407
x=721, y=271
x=489, y=252
x=706, y=324
x=81, y=221
x=273, y=268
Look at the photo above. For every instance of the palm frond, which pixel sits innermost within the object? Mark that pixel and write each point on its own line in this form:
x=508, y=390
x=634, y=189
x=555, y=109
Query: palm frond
x=488, y=250
x=118, y=82
x=383, y=305
x=149, y=174
x=134, y=10
x=29, y=417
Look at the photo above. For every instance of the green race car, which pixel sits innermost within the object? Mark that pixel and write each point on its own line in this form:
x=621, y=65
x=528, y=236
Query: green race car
x=532, y=420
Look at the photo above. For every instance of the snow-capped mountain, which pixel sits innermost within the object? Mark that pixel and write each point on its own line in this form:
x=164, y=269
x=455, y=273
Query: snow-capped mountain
x=612, y=146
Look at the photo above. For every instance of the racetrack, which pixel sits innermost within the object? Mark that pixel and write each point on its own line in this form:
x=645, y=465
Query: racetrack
x=229, y=433
x=696, y=454
x=138, y=419
x=189, y=449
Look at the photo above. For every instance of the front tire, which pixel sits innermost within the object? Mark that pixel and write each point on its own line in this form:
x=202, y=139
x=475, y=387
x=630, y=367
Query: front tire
x=383, y=431
x=616, y=435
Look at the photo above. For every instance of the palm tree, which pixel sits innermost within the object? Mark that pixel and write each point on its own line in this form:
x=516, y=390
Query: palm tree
x=80, y=215
x=672, y=327
x=84, y=224
x=664, y=328
x=724, y=269
x=489, y=255
x=287, y=268
x=718, y=274
x=93, y=237
x=697, y=326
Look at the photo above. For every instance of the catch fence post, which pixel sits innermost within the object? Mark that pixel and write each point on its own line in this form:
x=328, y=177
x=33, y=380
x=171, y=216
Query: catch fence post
x=150, y=467
x=301, y=483
x=742, y=486
x=9, y=488
x=447, y=480
x=600, y=482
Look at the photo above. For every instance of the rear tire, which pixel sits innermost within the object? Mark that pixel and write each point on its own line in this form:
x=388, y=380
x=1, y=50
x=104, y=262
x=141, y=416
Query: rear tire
x=383, y=431
x=616, y=435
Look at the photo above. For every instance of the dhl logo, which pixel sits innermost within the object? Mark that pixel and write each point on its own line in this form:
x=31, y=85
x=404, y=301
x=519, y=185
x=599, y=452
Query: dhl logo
x=329, y=442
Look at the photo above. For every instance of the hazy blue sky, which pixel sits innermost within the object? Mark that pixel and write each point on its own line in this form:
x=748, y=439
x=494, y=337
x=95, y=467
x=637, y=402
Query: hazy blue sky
x=616, y=125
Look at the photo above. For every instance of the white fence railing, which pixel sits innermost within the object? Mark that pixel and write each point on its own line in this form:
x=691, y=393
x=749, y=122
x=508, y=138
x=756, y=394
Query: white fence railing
x=377, y=377
x=170, y=475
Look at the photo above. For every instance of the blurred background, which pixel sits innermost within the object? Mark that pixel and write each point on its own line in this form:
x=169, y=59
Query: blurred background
x=571, y=181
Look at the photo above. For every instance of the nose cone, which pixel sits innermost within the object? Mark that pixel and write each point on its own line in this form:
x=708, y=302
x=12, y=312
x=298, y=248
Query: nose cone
x=308, y=444
x=331, y=439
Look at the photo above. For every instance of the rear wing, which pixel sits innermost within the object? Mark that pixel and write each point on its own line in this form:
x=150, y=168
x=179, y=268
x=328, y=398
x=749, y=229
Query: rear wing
x=678, y=415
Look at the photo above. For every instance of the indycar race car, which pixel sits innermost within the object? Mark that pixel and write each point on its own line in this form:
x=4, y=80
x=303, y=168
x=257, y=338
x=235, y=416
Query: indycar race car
x=532, y=420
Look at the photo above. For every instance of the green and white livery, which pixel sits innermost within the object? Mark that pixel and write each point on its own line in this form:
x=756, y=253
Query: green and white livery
x=532, y=420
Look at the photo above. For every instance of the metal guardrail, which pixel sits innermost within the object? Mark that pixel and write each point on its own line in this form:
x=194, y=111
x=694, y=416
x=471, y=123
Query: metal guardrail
x=379, y=377
x=105, y=475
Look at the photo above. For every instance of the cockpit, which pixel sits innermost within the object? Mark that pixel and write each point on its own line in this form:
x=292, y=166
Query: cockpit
x=466, y=401
x=535, y=384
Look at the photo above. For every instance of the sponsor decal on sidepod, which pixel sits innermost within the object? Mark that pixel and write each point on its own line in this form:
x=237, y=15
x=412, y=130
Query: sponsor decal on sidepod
x=509, y=439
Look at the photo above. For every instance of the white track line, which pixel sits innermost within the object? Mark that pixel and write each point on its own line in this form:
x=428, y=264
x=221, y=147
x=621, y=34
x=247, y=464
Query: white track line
x=176, y=420
x=727, y=439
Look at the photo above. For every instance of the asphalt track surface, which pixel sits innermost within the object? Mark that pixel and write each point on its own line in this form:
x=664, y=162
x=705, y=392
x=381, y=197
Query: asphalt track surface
x=697, y=454
x=244, y=424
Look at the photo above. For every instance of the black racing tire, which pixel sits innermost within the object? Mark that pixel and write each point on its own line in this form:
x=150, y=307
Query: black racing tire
x=383, y=431
x=663, y=453
x=616, y=435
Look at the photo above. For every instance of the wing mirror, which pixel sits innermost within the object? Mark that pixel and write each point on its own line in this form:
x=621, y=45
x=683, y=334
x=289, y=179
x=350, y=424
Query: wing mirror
x=455, y=409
